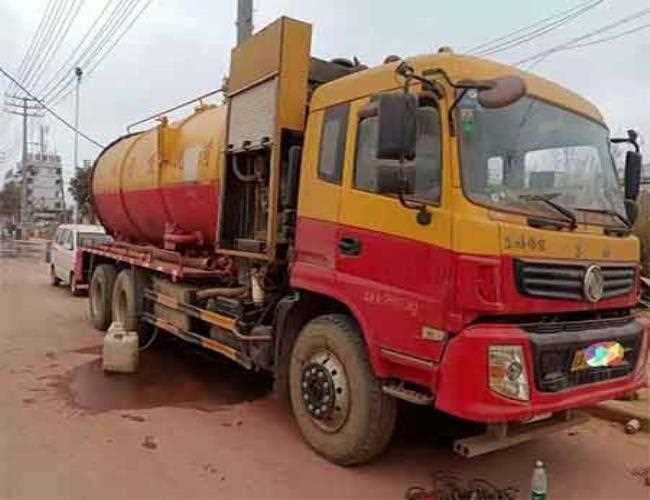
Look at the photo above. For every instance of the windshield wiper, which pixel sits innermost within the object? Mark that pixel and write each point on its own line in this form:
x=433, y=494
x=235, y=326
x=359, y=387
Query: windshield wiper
x=607, y=211
x=548, y=199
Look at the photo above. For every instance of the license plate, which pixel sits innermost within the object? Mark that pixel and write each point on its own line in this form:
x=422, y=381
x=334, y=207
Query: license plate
x=598, y=355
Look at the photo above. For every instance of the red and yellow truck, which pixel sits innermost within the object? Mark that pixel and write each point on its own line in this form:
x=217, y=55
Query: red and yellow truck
x=441, y=229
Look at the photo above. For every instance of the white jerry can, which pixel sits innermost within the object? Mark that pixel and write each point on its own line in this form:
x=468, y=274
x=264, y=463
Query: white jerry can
x=120, y=351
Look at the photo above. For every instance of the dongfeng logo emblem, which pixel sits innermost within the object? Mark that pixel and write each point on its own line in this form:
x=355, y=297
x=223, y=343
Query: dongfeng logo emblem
x=593, y=284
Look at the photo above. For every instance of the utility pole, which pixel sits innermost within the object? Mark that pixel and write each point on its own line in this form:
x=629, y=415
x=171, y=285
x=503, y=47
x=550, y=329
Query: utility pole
x=27, y=108
x=244, y=20
x=78, y=73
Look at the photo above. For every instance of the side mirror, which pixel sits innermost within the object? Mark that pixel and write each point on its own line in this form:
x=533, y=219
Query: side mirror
x=632, y=175
x=395, y=179
x=397, y=126
x=501, y=92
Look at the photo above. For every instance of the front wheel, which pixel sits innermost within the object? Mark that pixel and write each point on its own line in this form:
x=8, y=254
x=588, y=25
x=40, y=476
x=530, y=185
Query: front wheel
x=337, y=401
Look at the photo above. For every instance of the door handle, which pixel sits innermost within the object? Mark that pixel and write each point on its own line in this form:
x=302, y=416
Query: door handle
x=350, y=246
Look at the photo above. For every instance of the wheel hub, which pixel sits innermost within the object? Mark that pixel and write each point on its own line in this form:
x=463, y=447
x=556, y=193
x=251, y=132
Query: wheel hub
x=325, y=392
x=318, y=390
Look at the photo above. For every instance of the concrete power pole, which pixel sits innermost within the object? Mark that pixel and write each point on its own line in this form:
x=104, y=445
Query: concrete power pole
x=78, y=73
x=244, y=20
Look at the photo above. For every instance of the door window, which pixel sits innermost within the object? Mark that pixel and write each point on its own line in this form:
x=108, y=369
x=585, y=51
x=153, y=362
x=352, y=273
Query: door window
x=332, y=143
x=427, y=164
x=67, y=242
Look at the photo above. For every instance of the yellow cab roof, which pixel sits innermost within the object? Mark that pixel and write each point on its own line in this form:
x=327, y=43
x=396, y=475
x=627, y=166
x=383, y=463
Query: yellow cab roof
x=458, y=67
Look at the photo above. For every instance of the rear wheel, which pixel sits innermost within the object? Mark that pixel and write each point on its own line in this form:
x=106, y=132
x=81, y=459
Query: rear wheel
x=54, y=281
x=100, y=296
x=337, y=401
x=124, y=307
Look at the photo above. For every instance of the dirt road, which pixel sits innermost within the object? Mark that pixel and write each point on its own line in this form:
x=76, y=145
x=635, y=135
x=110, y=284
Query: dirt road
x=194, y=428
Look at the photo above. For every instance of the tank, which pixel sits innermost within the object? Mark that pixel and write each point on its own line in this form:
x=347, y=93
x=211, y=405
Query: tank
x=163, y=181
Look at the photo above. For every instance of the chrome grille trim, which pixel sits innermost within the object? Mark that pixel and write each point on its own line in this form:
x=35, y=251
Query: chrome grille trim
x=565, y=281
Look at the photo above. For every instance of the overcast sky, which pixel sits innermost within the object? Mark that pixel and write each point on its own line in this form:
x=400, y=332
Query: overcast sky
x=180, y=48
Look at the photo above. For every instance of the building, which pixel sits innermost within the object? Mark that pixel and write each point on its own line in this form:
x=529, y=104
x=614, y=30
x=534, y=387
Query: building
x=43, y=188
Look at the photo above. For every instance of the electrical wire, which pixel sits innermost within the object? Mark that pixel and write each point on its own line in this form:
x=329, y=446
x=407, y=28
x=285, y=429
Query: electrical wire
x=98, y=41
x=71, y=16
x=65, y=68
x=62, y=95
x=612, y=37
x=539, y=32
x=48, y=109
x=488, y=45
x=45, y=40
x=32, y=45
x=582, y=38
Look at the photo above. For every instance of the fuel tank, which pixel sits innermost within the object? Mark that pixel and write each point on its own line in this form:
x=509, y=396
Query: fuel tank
x=163, y=181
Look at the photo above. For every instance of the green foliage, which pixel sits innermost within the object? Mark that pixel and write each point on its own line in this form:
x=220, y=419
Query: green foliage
x=10, y=200
x=80, y=190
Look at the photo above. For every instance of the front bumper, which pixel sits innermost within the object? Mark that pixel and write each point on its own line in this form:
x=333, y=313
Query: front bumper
x=462, y=387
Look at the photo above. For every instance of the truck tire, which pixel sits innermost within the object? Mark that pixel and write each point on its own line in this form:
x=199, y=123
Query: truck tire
x=337, y=401
x=100, y=296
x=124, y=307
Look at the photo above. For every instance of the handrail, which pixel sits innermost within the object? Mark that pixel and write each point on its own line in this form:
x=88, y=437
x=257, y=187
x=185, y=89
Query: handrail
x=178, y=106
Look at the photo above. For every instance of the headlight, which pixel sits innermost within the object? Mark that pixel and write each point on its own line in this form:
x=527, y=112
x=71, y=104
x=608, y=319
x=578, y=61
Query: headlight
x=508, y=372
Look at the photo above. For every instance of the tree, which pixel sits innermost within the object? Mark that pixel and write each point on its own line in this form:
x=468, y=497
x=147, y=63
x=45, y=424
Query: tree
x=10, y=200
x=80, y=190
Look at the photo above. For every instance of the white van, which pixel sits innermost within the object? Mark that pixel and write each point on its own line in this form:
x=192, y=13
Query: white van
x=63, y=251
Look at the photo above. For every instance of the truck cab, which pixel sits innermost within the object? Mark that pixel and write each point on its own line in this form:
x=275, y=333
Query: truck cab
x=494, y=282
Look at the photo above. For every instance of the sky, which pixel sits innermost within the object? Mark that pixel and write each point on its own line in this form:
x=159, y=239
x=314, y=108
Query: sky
x=180, y=48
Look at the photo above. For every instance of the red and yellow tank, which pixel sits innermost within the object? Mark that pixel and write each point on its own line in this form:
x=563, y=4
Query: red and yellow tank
x=164, y=179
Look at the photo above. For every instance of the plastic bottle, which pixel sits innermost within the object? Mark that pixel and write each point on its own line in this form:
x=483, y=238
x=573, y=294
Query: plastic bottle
x=539, y=483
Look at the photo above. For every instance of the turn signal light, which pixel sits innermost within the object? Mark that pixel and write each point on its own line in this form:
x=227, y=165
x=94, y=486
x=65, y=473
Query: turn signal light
x=507, y=370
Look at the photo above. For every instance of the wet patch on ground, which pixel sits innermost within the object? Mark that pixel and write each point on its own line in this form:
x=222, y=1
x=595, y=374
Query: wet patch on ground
x=94, y=349
x=169, y=374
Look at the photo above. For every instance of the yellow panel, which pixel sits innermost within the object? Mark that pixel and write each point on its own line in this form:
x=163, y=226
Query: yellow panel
x=481, y=231
x=383, y=78
x=256, y=58
x=294, y=75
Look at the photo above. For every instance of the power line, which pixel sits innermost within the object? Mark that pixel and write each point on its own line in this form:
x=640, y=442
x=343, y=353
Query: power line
x=113, y=45
x=44, y=41
x=612, y=37
x=583, y=38
x=48, y=109
x=523, y=39
x=32, y=45
x=68, y=63
x=488, y=45
x=96, y=41
x=71, y=15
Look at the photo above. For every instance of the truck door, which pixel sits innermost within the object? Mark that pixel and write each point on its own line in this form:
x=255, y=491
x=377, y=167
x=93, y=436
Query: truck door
x=397, y=270
x=321, y=180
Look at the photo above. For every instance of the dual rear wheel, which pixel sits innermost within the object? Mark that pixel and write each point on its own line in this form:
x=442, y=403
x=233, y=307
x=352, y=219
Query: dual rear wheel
x=112, y=298
x=337, y=401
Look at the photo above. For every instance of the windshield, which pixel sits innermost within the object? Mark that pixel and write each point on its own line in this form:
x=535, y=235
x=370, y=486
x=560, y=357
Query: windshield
x=513, y=156
x=89, y=239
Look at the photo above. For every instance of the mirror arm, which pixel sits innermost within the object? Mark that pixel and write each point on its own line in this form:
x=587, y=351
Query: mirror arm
x=450, y=113
x=423, y=216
